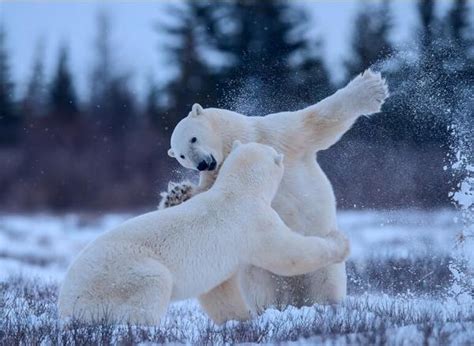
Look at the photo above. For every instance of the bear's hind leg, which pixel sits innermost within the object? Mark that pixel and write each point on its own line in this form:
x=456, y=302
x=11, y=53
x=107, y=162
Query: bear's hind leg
x=262, y=289
x=225, y=302
x=140, y=294
x=152, y=295
x=327, y=285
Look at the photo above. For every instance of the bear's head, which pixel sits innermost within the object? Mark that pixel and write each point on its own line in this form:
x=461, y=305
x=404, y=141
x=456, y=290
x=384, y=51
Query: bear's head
x=255, y=167
x=194, y=142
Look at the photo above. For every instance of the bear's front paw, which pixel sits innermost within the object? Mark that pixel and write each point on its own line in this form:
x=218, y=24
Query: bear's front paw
x=177, y=194
x=369, y=91
x=342, y=245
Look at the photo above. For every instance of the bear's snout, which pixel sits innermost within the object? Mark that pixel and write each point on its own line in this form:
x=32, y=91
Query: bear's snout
x=207, y=165
x=202, y=166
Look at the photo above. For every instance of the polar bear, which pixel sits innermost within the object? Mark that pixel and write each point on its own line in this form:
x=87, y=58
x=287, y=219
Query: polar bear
x=305, y=199
x=132, y=272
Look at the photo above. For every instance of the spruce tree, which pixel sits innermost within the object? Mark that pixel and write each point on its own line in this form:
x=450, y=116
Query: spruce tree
x=112, y=104
x=459, y=28
x=261, y=47
x=370, y=46
x=9, y=120
x=63, y=101
x=194, y=80
x=458, y=21
x=34, y=102
x=310, y=75
x=153, y=111
x=101, y=75
x=433, y=78
x=370, y=41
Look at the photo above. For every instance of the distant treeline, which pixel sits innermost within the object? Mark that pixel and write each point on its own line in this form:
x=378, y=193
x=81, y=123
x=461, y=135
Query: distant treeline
x=256, y=57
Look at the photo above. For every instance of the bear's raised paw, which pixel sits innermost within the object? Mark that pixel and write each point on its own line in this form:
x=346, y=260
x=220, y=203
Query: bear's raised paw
x=368, y=92
x=177, y=193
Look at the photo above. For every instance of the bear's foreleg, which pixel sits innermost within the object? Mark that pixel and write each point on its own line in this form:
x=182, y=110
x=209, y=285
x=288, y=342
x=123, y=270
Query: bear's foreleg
x=325, y=122
x=288, y=253
x=225, y=302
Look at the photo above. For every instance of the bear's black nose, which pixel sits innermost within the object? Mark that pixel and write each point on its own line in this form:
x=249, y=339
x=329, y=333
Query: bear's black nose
x=202, y=166
x=213, y=164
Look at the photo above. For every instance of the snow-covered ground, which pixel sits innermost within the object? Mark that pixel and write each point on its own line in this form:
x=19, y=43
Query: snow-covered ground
x=44, y=244
x=400, y=285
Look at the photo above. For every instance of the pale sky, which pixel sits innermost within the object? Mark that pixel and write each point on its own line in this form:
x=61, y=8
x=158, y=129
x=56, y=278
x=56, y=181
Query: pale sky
x=136, y=43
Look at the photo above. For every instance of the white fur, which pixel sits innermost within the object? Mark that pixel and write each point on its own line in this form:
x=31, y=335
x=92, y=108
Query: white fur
x=132, y=272
x=305, y=199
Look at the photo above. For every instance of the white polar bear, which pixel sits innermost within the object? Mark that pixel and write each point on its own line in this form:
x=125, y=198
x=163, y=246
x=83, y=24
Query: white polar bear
x=132, y=272
x=305, y=199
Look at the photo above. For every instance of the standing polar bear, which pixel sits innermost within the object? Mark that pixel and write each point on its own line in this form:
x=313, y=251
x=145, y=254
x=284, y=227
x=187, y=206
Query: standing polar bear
x=305, y=199
x=132, y=272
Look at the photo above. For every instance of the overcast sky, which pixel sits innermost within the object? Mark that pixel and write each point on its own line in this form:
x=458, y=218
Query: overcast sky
x=137, y=44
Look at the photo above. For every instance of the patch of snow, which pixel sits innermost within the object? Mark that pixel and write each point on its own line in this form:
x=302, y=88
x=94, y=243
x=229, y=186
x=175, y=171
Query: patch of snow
x=44, y=245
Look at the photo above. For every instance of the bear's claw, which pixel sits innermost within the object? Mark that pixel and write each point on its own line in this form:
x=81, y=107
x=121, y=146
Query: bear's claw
x=177, y=193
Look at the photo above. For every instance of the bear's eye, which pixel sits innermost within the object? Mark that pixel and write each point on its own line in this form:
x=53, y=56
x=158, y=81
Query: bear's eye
x=181, y=156
x=194, y=140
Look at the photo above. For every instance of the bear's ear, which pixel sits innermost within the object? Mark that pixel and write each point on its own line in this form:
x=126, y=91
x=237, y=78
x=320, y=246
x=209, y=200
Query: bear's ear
x=171, y=153
x=235, y=144
x=196, y=110
x=279, y=159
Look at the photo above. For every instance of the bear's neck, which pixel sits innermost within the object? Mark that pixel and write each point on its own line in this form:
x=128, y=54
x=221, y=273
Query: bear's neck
x=231, y=126
x=243, y=187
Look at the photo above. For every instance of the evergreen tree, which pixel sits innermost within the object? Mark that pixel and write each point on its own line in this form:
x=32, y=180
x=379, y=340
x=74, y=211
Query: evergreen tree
x=427, y=33
x=261, y=47
x=194, y=81
x=458, y=21
x=416, y=113
x=101, y=75
x=461, y=35
x=433, y=77
x=9, y=120
x=34, y=100
x=121, y=105
x=311, y=75
x=264, y=41
x=112, y=104
x=459, y=28
x=153, y=111
x=63, y=102
x=370, y=42
x=256, y=45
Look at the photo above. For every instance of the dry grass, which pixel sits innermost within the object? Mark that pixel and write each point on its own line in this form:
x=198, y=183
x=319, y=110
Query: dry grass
x=392, y=301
